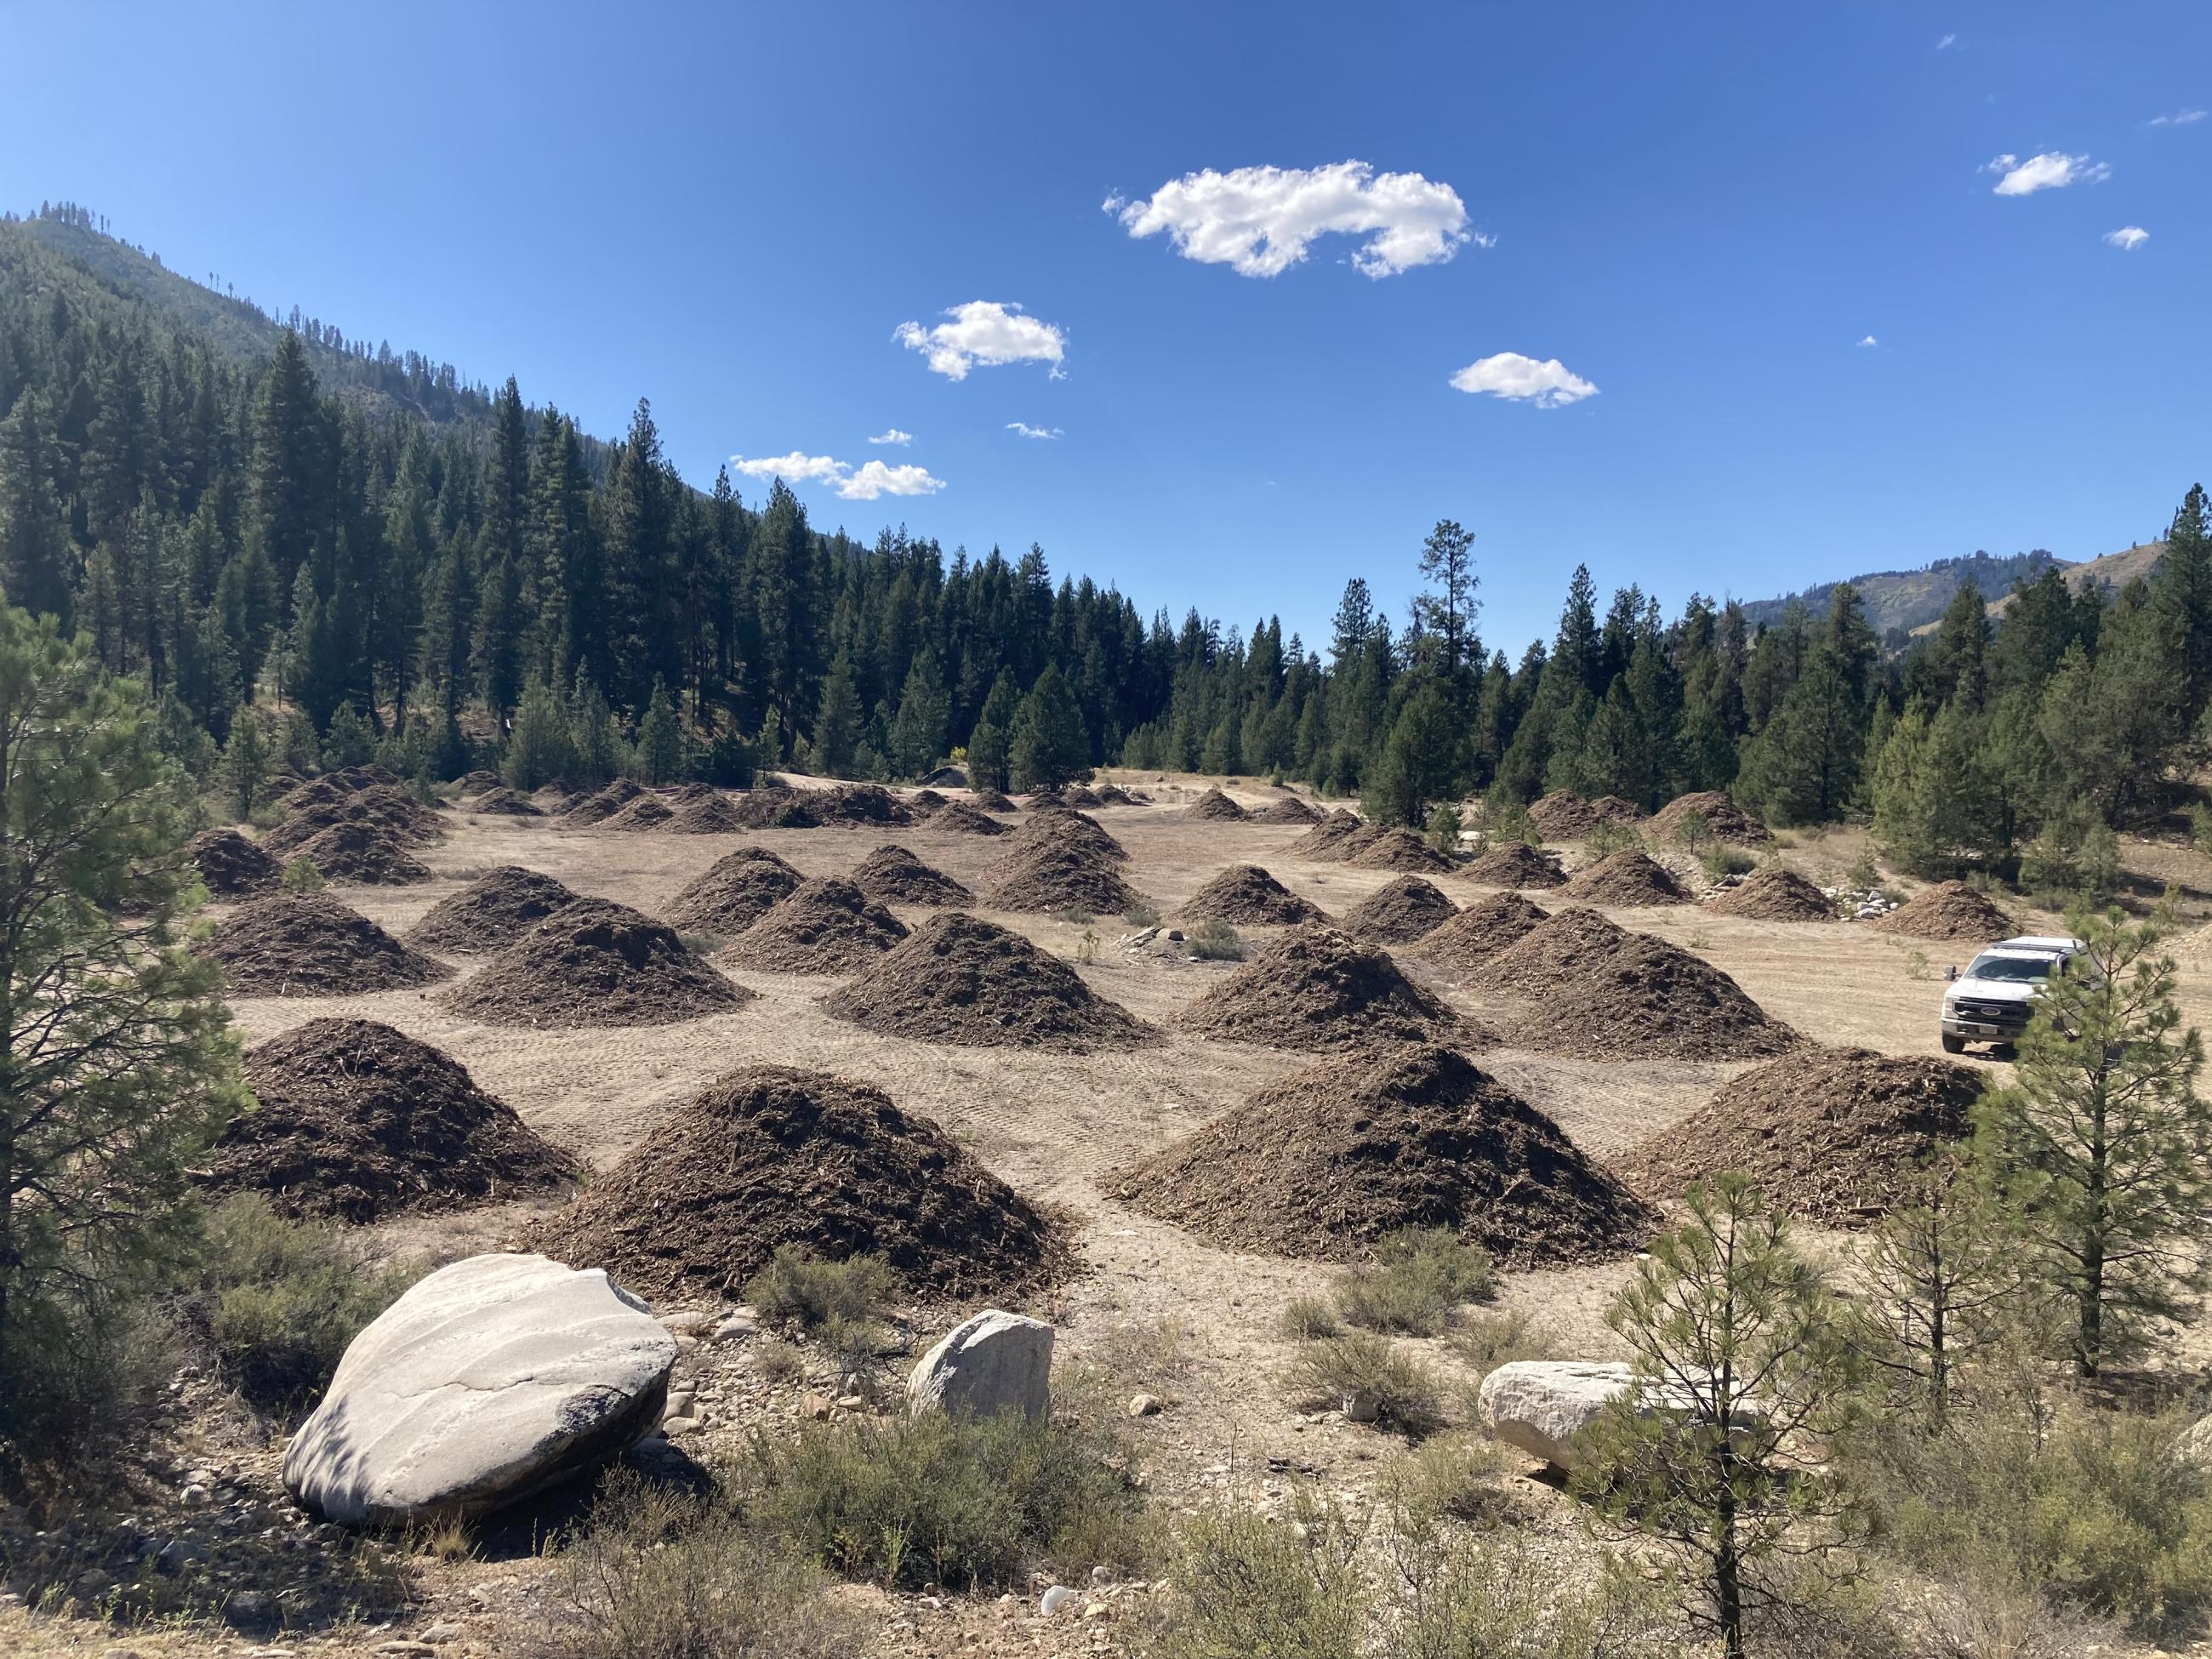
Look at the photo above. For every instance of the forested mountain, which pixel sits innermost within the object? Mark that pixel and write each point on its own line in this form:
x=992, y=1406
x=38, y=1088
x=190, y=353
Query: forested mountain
x=309, y=546
x=1906, y=600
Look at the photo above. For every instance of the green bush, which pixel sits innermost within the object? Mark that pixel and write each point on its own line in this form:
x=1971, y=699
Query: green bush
x=278, y=1301
x=1357, y=1367
x=1141, y=915
x=1254, y=1588
x=963, y=1503
x=1605, y=838
x=800, y=1289
x=80, y=1374
x=1418, y=1277
x=302, y=875
x=1458, y=1476
x=1215, y=941
x=1721, y=860
x=1444, y=828
x=658, y=1573
x=1308, y=1316
x=1486, y=1342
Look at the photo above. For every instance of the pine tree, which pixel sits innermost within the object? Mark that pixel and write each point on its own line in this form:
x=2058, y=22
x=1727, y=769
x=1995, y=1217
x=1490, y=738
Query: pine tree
x=1416, y=767
x=1941, y=1272
x=1446, y=611
x=917, y=734
x=990, y=745
x=2100, y=1146
x=289, y=462
x=245, y=765
x=659, y=739
x=34, y=546
x=540, y=748
x=1049, y=747
x=2182, y=591
x=837, y=724
x=592, y=734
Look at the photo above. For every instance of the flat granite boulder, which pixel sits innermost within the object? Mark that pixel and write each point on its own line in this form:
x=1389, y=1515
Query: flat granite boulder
x=492, y=1379
x=1540, y=1406
x=996, y=1362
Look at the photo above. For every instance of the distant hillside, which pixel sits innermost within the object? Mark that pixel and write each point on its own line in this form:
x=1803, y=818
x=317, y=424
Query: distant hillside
x=1909, y=600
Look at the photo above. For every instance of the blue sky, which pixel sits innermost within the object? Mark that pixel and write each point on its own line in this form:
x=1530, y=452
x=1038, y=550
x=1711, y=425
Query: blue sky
x=1701, y=212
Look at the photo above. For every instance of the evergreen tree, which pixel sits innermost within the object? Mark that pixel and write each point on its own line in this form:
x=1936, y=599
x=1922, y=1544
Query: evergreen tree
x=837, y=724
x=1049, y=747
x=659, y=739
x=2182, y=591
x=35, y=556
x=990, y=745
x=244, y=765
x=1447, y=610
x=289, y=462
x=917, y=735
x=1416, y=767
x=540, y=748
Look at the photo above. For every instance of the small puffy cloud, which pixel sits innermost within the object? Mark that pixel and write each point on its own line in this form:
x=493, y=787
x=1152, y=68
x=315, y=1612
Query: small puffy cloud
x=2180, y=117
x=2128, y=238
x=873, y=479
x=1261, y=221
x=1867, y=340
x=989, y=333
x=1548, y=385
x=1947, y=43
x=893, y=435
x=2052, y=170
x=1028, y=431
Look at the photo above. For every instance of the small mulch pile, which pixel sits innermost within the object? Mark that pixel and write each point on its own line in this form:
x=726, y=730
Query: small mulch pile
x=599, y=807
x=490, y=913
x=1625, y=879
x=926, y=804
x=710, y=815
x=1563, y=816
x=1044, y=800
x=1611, y=809
x=230, y=866
x=861, y=804
x=359, y=1122
x=1830, y=1134
x=1595, y=991
x=1514, y=864
x=1400, y=912
x=958, y=979
x=1050, y=875
x=1951, y=911
x=362, y=855
x=1081, y=795
x=1113, y=795
x=893, y=875
x=309, y=944
x=1248, y=895
x=736, y=892
x=1468, y=941
x=1348, y=851
x=1400, y=848
x=1215, y=805
x=1064, y=829
x=1328, y=834
x=770, y=1156
x=1312, y=988
x=478, y=782
x=1724, y=820
x=1292, y=809
x=826, y=926
x=316, y=807
x=1331, y=1159
x=504, y=803
x=990, y=800
x=597, y=963
x=646, y=812
x=1774, y=894
x=768, y=806
x=962, y=819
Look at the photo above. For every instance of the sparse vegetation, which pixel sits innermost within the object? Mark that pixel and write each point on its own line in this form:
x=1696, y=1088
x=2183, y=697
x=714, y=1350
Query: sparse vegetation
x=1369, y=1379
x=1310, y=1316
x=1215, y=941
x=302, y=875
x=1419, y=1279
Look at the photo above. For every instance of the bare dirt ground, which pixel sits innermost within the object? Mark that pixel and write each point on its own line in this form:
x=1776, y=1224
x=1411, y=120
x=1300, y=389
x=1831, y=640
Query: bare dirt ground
x=1155, y=1309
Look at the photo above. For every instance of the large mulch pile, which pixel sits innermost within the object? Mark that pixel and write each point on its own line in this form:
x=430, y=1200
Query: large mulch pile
x=646, y=812
x=1357, y=841
x=1044, y=800
x=599, y=807
x=316, y=807
x=710, y=815
x=1625, y=879
x=1328, y=834
x=1398, y=913
x=1830, y=1134
x=1053, y=875
x=826, y=926
x=359, y=1122
x=1514, y=864
x=769, y=806
x=1085, y=835
x=736, y=892
x=926, y=804
x=960, y=980
x=893, y=875
x=1314, y=989
x=990, y=800
x=769, y=1156
x=861, y=804
x=1563, y=816
x=597, y=963
x=1725, y=821
x=230, y=866
x=1331, y=1159
x=1215, y=805
x=1290, y=809
x=490, y=913
x=504, y=803
x=1951, y=911
x=1248, y=895
x=362, y=855
x=962, y=819
x=1400, y=848
x=1774, y=894
x=1468, y=941
x=1595, y=991
x=309, y=944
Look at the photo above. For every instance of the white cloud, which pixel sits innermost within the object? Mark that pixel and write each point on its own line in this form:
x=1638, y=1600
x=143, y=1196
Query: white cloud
x=1866, y=340
x=2180, y=117
x=986, y=332
x=1261, y=221
x=1549, y=385
x=892, y=435
x=2052, y=170
x=1028, y=431
x=2128, y=238
x=872, y=480
x=1947, y=43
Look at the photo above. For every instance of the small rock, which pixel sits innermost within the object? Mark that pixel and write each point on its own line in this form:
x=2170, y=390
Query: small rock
x=445, y=1632
x=738, y=1326
x=1144, y=1405
x=1055, y=1599
x=1102, y=1575
x=194, y=1497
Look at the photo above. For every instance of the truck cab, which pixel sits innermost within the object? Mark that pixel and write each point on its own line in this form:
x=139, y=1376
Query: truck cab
x=1993, y=999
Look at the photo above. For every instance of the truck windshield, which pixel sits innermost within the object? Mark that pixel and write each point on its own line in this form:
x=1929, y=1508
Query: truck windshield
x=2009, y=968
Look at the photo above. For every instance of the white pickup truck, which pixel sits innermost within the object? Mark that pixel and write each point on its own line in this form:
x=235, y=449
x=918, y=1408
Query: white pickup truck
x=1991, y=1001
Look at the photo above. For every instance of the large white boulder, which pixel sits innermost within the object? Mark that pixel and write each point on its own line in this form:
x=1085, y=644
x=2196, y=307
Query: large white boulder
x=491, y=1379
x=996, y=1362
x=1540, y=1406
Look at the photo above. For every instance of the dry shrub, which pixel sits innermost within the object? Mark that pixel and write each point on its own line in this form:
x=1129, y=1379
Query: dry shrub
x=1419, y=1279
x=1333, y=1372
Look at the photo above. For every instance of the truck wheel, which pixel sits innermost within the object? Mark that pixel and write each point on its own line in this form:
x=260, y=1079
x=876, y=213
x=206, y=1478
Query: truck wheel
x=1954, y=1045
